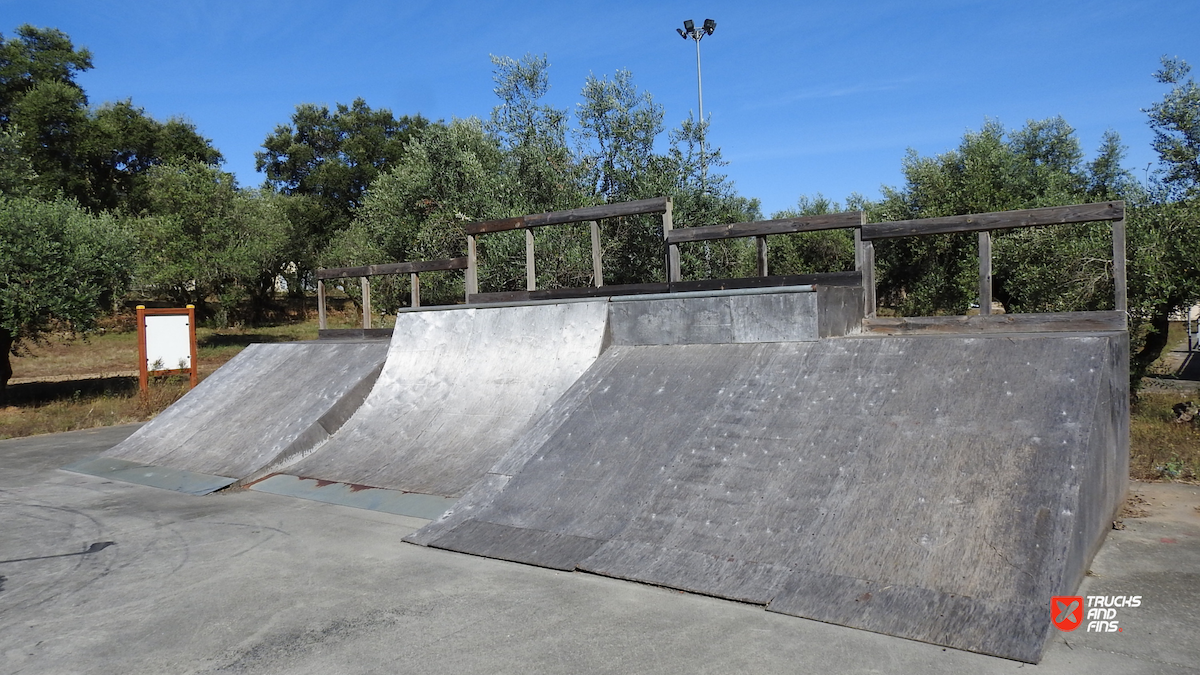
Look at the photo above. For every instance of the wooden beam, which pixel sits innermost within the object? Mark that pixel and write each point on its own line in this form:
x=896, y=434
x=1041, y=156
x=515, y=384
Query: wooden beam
x=868, y=277
x=472, y=282
x=1120, y=302
x=996, y=323
x=530, y=272
x=320, y=304
x=832, y=221
x=851, y=279
x=859, y=251
x=502, y=225
x=143, y=367
x=393, y=268
x=864, y=263
x=355, y=334
x=823, y=279
x=640, y=207
x=498, y=296
x=366, y=302
x=761, y=241
x=672, y=252
x=415, y=283
x=635, y=208
x=985, y=272
x=597, y=262
x=594, y=292
x=978, y=222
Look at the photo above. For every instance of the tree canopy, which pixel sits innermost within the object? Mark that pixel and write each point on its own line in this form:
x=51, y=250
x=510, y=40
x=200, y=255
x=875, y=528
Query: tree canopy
x=332, y=157
x=96, y=156
x=204, y=238
x=1176, y=124
x=60, y=268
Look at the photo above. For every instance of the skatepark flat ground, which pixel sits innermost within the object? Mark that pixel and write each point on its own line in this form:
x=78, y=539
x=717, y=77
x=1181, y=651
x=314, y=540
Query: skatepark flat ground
x=107, y=577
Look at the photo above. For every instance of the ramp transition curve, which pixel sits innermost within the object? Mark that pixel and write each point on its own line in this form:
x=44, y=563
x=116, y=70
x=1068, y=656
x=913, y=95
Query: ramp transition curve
x=459, y=386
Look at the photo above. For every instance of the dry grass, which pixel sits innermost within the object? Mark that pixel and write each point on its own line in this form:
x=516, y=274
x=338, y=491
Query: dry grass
x=118, y=403
x=65, y=383
x=1159, y=448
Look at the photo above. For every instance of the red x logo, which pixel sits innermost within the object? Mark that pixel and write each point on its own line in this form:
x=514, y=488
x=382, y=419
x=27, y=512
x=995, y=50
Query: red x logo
x=1066, y=611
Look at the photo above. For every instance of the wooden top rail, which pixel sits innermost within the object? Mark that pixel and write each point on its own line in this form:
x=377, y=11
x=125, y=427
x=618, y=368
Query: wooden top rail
x=581, y=215
x=393, y=268
x=832, y=221
x=981, y=222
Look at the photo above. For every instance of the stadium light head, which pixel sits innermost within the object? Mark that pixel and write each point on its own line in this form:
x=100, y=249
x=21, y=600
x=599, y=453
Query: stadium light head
x=681, y=33
x=689, y=26
x=709, y=26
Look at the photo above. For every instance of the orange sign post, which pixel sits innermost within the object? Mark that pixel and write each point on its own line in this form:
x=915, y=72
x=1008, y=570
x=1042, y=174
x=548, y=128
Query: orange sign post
x=166, y=344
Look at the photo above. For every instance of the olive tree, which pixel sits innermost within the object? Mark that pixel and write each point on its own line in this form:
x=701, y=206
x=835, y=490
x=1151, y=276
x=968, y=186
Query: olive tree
x=60, y=268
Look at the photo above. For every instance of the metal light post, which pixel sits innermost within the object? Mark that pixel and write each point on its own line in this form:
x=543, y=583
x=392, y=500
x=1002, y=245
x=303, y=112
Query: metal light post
x=689, y=30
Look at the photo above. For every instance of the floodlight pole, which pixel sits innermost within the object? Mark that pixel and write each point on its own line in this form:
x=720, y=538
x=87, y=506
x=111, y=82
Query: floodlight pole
x=690, y=30
x=699, y=85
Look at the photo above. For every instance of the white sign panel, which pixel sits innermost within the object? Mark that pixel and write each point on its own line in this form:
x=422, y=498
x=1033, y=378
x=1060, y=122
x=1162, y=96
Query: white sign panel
x=168, y=342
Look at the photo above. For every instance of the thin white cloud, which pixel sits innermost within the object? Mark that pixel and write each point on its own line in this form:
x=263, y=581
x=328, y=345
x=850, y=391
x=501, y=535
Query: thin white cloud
x=820, y=93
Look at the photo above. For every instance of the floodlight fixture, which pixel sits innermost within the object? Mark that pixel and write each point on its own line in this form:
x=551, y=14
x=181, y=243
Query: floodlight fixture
x=689, y=26
x=709, y=26
x=681, y=33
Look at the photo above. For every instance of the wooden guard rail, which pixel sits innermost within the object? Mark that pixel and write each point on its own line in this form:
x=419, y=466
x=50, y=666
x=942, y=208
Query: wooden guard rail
x=865, y=234
x=864, y=251
x=591, y=215
x=413, y=269
x=984, y=223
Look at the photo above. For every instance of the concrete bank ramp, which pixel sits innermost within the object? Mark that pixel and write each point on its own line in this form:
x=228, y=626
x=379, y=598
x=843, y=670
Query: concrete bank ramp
x=459, y=386
x=935, y=488
x=268, y=403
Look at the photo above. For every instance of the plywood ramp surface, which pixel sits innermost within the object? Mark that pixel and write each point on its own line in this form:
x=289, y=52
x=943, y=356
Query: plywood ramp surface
x=269, y=401
x=935, y=488
x=458, y=388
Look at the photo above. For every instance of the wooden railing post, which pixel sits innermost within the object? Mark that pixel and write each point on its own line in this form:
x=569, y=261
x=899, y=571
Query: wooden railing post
x=321, y=304
x=366, y=301
x=597, y=264
x=672, y=249
x=868, y=277
x=530, y=272
x=985, y=273
x=864, y=263
x=416, y=289
x=472, y=268
x=761, y=241
x=1118, y=242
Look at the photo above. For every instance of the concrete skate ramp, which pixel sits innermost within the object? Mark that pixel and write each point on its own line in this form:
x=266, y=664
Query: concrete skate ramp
x=459, y=386
x=268, y=403
x=935, y=488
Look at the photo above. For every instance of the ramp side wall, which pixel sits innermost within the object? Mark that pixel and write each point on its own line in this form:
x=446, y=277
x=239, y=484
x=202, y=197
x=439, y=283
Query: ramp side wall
x=1105, y=467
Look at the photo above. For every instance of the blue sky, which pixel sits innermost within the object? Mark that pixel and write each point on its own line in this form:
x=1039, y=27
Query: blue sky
x=804, y=98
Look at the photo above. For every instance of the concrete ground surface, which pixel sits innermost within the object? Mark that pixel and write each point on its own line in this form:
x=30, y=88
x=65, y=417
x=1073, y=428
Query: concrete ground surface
x=106, y=577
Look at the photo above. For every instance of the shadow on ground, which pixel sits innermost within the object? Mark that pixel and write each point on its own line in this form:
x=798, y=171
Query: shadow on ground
x=38, y=393
x=243, y=339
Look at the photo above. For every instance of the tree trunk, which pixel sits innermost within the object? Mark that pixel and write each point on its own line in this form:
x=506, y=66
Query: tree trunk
x=1152, y=348
x=6, y=343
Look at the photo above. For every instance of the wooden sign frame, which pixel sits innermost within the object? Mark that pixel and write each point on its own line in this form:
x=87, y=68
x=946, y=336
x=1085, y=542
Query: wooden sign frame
x=144, y=369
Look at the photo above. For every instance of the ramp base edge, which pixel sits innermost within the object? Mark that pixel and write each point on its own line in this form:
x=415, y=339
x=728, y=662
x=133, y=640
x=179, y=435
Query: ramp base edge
x=412, y=504
x=179, y=480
